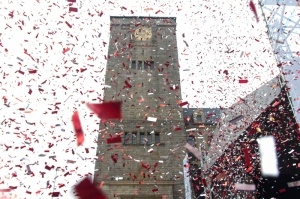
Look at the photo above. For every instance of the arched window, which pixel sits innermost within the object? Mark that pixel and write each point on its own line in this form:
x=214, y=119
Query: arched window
x=198, y=116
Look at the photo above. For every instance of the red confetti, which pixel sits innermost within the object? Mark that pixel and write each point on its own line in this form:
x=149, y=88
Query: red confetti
x=155, y=190
x=116, y=139
x=127, y=84
x=174, y=87
x=4, y=190
x=177, y=128
x=107, y=110
x=77, y=128
x=32, y=71
x=86, y=190
x=183, y=103
x=65, y=50
x=68, y=24
x=71, y=9
x=253, y=9
x=19, y=71
x=30, y=91
x=247, y=157
x=72, y=1
x=243, y=81
x=115, y=158
x=276, y=103
x=204, y=182
x=55, y=194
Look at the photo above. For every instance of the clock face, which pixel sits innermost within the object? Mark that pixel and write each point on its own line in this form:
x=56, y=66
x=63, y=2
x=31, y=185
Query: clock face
x=143, y=34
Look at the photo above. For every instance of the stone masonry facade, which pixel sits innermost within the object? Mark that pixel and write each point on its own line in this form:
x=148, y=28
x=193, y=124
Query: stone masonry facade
x=144, y=75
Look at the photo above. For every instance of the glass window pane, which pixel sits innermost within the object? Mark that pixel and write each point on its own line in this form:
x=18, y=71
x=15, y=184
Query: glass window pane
x=152, y=65
x=142, y=138
x=149, y=138
x=157, y=138
x=140, y=65
x=127, y=138
x=134, y=135
x=146, y=65
x=133, y=64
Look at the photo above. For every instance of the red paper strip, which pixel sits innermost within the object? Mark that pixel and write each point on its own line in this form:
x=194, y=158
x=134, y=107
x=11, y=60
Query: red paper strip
x=204, y=182
x=183, y=103
x=71, y=9
x=68, y=24
x=32, y=71
x=72, y=1
x=116, y=139
x=243, y=81
x=77, y=127
x=115, y=158
x=247, y=157
x=86, y=190
x=127, y=84
x=276, y=103
x=107, y=110
x=253, y=9
x=55, y=194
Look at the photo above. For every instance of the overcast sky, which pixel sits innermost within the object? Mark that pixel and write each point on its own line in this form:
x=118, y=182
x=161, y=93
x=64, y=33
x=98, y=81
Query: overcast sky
x=209, y=75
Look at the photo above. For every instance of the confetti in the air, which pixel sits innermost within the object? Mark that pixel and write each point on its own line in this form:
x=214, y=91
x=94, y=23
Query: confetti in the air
x=77, y=128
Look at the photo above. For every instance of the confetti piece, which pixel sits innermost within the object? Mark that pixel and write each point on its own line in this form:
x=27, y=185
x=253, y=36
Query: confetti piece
x=65, y=50
x=20, y=59
x=294, y=184
x=253, y=9
x=55, y=194
x=193, y=150
x=116, y=139
x=115, y=158
x=268, y=156
x=127, y=84
x=77, y=127
x=68, y=24
x=152, y=119
x=183, y=104
x=247, y=158
x=86, y=190
x=107, y=110
x=243, y=81
x=245, y=187
x=276, y=103
x=235, y=120
x=5, y=190
x=71, y=9
x=72, y=1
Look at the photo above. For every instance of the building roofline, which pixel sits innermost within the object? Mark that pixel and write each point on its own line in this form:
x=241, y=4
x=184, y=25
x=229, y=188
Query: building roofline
x=141, y=17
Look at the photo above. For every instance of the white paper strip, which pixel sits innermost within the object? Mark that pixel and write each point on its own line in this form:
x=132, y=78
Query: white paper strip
x=245, y=187
x=152, y=119
x=268, y=156
x=193, y=150
x=294, y=184
x=193, y=129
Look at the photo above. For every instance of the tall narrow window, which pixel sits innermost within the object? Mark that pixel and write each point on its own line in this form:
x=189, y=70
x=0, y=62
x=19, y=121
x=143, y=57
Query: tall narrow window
x=133, y=64
x=149, y=137
x=127, y=139
x=140, y=65
x=142, y=138
x=157, y=137
x=134, y=136
x=143, y=51
x=152, y=65
x=146, y=64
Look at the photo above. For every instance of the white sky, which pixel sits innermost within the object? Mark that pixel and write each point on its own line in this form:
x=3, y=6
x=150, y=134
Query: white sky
x=208, y=27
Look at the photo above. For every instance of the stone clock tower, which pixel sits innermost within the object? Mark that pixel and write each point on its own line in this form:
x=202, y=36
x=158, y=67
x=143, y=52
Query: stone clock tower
x=143, y=72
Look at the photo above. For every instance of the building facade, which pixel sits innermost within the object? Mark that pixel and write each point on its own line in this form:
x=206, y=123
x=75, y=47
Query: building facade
x=143, y=72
